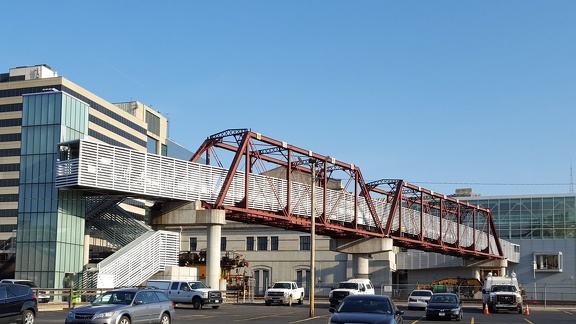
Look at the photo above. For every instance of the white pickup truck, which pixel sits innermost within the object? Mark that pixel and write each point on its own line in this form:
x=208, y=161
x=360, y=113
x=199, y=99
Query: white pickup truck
x=188, y=292
x=284, y=292
x=502, y=293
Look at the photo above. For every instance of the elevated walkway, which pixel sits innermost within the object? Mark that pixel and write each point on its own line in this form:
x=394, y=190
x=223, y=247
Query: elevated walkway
x=105, y=169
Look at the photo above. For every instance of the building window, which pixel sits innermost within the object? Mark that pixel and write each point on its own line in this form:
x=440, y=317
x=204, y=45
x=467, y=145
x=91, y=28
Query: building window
x=274, y=243
x=546, y=262
x=152, y=146
x=153, y=123
x=250, y=243
x=193, y=244
x=305, y=243
x=223, y=243
x=262, y=243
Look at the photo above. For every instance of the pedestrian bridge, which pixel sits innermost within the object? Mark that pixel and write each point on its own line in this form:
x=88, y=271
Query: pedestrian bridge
x=270, y=182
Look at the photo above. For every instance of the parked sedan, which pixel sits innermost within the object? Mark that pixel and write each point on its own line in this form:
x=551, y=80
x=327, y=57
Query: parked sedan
x=18, y=303
x=444, y=306
x=368, y=309
x=419, y=298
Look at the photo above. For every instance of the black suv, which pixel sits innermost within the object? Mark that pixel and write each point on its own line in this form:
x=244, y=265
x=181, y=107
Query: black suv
x=18, y=303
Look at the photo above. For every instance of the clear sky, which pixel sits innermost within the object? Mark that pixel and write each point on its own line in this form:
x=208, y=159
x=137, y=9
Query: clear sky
x=443, y=94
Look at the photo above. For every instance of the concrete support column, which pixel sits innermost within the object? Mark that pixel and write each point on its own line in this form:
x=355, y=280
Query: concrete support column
x=86, y=249
x=213, y=256
x=213, y=219
x=361, y=265
x=388, y=267
x=362, y=250
x=503, y=266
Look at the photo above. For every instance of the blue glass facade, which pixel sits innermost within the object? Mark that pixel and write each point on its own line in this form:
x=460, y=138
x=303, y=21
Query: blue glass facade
x=50, y=224
x=542, y=217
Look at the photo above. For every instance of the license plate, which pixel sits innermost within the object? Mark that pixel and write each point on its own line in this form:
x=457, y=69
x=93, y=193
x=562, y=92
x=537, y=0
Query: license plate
x=441, y=314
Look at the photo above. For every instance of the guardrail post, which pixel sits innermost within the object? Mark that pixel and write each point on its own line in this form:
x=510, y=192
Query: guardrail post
x=70, y=291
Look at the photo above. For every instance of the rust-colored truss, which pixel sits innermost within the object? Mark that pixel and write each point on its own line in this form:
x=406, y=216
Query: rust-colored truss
x=252, y=152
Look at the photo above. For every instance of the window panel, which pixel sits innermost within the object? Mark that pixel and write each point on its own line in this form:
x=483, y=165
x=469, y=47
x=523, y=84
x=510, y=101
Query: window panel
x=223, y=243
x=250, y=243
x=262, y=243
x=544, y=262
x=193, y=244
x=305, y=243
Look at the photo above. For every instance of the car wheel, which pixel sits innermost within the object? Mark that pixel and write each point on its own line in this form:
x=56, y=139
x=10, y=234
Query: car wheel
x=165, y=319
x=215, y=307
x=28, y=317
x=197, y=303
x=520, y=309
x=301, y=300
x=124, y=320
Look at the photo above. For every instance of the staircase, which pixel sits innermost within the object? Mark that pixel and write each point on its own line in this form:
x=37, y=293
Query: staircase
x=141, y=251
x=136, y=262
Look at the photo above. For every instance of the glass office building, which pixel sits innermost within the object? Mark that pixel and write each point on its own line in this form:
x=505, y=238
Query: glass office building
x=44, y=233
x=544, y=226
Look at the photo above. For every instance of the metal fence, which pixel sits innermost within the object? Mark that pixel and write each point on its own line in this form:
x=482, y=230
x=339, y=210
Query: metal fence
x=544, y=295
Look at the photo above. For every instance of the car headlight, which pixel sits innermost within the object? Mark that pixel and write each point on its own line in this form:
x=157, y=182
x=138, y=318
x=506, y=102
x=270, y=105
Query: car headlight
x=455, y=310
x=518, y=299
x=330, y=295
x=104, y=315
x=205, y=294
x=285, y=294
x=71, y=315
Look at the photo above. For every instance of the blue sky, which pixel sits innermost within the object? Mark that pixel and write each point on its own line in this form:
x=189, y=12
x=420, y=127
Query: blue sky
x=442, y=94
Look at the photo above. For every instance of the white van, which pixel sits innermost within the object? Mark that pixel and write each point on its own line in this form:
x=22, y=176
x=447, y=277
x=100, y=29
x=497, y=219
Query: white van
x=350, y=287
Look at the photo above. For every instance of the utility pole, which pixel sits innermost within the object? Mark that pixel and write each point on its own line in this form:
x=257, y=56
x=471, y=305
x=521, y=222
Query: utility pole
x=312, y=162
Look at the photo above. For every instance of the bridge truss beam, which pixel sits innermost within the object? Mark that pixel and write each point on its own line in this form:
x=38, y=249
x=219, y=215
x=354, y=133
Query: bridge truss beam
x=414, y=208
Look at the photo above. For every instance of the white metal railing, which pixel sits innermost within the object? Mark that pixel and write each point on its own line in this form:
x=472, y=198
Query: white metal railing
x=115, y=168
x=141, y=259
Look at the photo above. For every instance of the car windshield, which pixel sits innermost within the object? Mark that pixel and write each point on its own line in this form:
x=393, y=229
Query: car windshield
x=348, y=285
x=443, y=299
x=503, y=288
x=365, y=306
x=197, y=285
x=282, y=285
x=114, y=297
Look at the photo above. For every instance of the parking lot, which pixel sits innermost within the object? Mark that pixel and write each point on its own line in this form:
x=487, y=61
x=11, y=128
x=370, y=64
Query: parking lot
x=259, y=313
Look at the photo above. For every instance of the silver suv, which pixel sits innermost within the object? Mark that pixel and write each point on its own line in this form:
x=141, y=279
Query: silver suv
x=124, y=306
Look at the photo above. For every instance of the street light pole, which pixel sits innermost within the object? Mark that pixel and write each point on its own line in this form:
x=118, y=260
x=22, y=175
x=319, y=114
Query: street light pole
x=312, y=234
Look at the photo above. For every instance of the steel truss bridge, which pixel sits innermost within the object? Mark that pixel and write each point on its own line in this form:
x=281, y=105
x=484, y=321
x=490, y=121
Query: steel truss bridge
x=257, y=179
